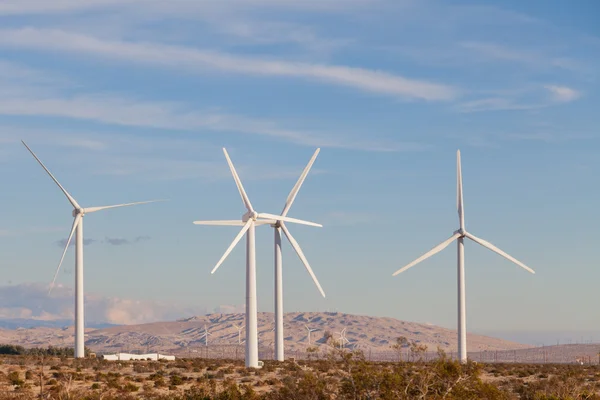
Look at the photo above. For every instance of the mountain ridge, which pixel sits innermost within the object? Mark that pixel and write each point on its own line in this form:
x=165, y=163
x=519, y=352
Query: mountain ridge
x=363, y=332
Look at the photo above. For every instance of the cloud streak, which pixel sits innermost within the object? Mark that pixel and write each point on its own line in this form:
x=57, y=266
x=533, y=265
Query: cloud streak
x=123, y=241
x=107, y=240
x=194, y=60
x=117, y=110
x=184, y=7
x=63, y=242
x=535, y=98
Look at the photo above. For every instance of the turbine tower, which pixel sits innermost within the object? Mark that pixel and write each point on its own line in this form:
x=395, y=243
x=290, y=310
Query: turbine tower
x=459, y=236
x=78, y=214
x=278, y=227
x=248, y=222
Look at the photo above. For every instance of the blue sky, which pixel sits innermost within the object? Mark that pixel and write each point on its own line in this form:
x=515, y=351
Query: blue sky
x=132, y=100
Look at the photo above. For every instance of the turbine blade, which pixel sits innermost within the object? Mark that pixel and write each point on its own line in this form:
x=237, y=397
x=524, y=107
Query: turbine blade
x=292, y=196
x=69, y=197
x=459, y=192
x=233, y=222
x=300, y=253
x=75, y=224
x=94, y=209
x=238, y=182
x=431, y=252
x=265, y=222
x=232, y=245
x=493, y=248
x=288, y=219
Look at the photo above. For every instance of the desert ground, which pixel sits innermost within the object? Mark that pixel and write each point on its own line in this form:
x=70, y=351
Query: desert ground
x=342, y=375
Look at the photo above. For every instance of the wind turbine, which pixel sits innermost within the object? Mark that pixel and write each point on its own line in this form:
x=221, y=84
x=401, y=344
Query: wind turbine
x=278, y=227
x=343, y=339
x=460, y=235
x=205, y=335
x=310, y=330
x=248, y=222
x=78, y=214
x=240, y=329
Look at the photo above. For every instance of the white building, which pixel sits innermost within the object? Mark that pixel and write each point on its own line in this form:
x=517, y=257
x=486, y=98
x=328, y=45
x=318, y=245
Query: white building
x=130, y=357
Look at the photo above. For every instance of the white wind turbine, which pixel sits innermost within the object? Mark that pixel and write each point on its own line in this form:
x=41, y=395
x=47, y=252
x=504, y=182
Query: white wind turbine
x=78, y=214
x=205, y=335
x=278, y=227
x=343, y=339
x=310, y=330
x=240, y=329
x=460, y=235
x=249, y=220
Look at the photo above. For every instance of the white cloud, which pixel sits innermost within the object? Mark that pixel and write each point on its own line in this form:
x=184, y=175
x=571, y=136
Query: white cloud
x=495, y=104
x=115, y=110
x=257, y=32
x=187, y=7
x=195, y=60
x=32, y=301
x=527, y=99
x=563, y=94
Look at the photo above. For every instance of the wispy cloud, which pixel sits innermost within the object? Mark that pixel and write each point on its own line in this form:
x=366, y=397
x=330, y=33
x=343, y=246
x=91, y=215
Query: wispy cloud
x=117, y=110
x=195, y=60
x=123, y=241
x=32, y=301
x=563, y=94
x=495, y=104
x=63, y=242
x=268, y=33
x=107, y=240
x=527, y=99
x=32, y=92
x=185, y=7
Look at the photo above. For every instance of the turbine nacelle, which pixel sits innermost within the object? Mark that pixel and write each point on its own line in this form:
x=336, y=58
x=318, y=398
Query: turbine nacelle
x=461, y=232
x=250, y=215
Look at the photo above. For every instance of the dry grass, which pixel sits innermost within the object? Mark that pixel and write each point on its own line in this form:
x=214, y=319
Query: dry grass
x=343, y=375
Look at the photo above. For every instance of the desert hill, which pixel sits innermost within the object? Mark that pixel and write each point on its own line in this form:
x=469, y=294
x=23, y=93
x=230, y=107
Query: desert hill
x=363, y=332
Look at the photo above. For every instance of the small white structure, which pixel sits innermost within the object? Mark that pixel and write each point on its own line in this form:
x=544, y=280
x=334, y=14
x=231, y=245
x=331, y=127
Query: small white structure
x=131, y=357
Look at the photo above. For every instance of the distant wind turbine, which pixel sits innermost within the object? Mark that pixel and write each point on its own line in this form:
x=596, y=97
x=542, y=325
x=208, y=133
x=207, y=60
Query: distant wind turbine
x=205, y=335
x=78, y=214
x=240, y=329
x=278, y=227
x=248, y=222
x=343, y=339
x=310, y=330
x=459, y=235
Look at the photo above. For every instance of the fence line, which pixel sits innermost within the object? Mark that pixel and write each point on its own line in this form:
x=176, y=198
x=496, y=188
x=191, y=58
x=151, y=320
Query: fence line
x=582, y=354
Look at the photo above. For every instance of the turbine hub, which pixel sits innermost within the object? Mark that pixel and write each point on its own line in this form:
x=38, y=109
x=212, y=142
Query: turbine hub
x=462, y=232
x=79, y=211
x=250, y=215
